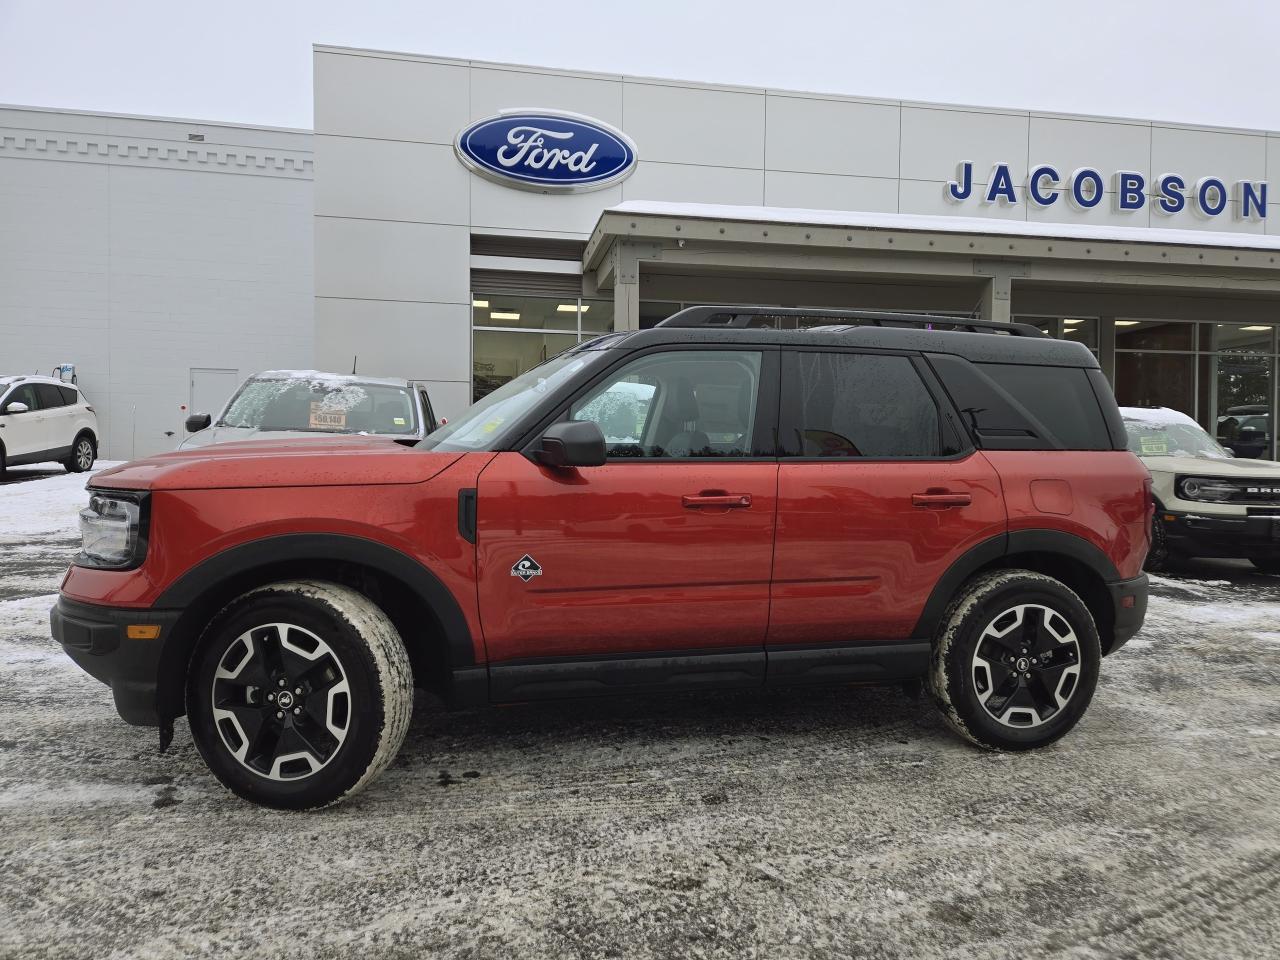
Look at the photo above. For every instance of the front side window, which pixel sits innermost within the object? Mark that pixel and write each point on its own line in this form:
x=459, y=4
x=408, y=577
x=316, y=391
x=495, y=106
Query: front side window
x=860, y=405
x=683, y=403
x=22, y=394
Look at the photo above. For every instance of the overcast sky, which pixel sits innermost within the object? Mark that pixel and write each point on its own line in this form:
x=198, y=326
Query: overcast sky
x=1184, y=60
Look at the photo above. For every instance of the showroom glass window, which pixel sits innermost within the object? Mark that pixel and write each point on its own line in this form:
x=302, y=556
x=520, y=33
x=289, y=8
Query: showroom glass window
x=677, y=404
x=515, y=332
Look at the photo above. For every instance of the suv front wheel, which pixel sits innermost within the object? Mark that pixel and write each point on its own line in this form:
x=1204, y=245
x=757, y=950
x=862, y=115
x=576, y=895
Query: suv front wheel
x=1016, y=661
x=299, y=694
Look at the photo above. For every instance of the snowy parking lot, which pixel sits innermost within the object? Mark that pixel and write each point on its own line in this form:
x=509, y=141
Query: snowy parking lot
x=832, y=823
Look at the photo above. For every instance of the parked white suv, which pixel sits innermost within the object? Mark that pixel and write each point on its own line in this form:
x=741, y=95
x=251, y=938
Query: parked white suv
x=43, y=419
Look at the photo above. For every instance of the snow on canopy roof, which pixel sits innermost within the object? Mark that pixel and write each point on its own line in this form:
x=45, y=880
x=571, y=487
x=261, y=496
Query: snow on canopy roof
x=336, y=378
x=1158, y=416
x=938, y=224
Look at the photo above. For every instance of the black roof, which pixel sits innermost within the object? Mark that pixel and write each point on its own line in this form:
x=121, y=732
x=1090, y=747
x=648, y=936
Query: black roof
x=978, y=341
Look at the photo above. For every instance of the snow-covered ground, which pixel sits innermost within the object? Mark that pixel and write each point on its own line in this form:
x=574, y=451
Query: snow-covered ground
x=832, y=823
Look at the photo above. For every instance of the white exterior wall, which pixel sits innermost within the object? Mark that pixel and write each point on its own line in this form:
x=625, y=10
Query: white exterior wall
x=138, y=254
x=395, y=209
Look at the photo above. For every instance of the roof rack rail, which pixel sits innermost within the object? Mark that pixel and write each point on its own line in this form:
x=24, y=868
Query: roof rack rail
x=739, y=318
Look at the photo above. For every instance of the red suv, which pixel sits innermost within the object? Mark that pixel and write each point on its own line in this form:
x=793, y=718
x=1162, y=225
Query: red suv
x=736, y=498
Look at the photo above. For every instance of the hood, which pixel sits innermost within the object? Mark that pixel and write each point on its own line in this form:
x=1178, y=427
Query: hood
x=311, y=462
x=211, y=435
x=1226, y=467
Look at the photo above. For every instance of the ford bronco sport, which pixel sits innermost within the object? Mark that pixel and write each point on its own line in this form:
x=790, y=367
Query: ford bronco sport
x=737, y=498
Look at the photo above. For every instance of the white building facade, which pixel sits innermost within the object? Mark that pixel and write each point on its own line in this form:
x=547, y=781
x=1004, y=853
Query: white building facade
x=1151, y=242
x=166, y=259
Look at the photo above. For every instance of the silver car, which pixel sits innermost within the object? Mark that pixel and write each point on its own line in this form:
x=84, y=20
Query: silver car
x=303, y=403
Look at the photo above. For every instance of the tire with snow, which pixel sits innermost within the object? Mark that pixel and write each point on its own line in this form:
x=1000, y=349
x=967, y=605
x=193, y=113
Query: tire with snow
x=299, y=694
x=1016, y=660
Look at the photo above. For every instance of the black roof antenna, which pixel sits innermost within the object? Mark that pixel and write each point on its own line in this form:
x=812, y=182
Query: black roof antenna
x=354, y=358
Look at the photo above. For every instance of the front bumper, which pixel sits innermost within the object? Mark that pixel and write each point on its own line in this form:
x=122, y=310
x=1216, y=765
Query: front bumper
x=96, y=638
x=1129, y=601
x=1201, y=535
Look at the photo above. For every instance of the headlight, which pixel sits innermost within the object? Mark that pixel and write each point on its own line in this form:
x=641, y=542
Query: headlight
x=1207, y=489
x=112, y=530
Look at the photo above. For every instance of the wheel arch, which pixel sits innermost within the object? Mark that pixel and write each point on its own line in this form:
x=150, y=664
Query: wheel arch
x=1066, y=557
x=429, y=619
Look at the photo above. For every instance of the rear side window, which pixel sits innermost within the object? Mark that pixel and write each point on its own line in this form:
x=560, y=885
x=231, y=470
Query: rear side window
x=69, y=395
x=50, y=396
x=841, y=405
x=1014, y=406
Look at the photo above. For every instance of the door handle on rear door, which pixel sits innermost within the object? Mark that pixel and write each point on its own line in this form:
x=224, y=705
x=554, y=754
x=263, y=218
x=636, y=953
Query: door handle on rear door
x=941, y=498
x=717, y=498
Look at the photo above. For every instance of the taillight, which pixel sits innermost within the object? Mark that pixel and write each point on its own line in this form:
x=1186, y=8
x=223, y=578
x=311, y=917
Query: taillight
x=89, y=407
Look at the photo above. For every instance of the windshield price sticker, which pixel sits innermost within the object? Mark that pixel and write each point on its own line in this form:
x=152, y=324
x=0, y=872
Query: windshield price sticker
x=324, y=419
x=1154, y=446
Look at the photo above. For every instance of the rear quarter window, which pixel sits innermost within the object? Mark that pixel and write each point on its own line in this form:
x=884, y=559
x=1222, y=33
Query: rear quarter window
x=1016, y=406
x=1061, y=398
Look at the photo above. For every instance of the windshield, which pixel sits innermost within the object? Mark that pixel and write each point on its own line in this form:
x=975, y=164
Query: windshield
x=481, y=426
x=1164, y=436
x=320, y=405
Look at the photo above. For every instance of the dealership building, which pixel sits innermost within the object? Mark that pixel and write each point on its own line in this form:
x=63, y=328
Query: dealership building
x=457, y=222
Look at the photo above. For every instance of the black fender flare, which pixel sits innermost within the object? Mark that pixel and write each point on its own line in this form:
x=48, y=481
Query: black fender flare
x=242, y=558
x=1003, y=545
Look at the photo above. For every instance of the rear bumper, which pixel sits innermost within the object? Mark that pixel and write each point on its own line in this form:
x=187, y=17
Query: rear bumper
x=1129, y=601
x=1198, y=535
x=95, y=638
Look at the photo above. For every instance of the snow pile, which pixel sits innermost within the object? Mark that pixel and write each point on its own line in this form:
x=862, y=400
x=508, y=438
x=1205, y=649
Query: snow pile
x=47, y=508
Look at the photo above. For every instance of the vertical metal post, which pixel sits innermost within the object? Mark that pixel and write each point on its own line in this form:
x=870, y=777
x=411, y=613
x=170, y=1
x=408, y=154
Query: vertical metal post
x=997, y=296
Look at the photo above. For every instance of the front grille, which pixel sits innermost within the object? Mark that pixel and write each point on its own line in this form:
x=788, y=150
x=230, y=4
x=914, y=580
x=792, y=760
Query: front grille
x=1257, y=491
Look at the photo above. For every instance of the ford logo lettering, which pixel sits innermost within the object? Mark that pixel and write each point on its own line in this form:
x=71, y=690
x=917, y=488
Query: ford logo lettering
x=549, y=151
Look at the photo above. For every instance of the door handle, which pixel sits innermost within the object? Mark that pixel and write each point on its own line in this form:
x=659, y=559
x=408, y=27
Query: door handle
x=940, y=498
x=725, y=501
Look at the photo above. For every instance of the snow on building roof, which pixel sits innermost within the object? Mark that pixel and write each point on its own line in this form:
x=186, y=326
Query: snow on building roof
x=946, y=224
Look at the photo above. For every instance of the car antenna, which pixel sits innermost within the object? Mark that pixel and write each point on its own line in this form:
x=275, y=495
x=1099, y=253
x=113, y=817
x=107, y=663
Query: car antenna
x=354, y=358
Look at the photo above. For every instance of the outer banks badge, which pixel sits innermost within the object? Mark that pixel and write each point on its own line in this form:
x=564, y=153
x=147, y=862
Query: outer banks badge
x=526, y=568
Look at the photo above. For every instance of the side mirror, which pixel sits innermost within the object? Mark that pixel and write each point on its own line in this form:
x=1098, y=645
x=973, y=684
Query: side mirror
x=16, y=407
x=574, y=443
x=198, y=421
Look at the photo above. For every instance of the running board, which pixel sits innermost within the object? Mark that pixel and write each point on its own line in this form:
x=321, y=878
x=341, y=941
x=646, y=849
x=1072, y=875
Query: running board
x=562, y=677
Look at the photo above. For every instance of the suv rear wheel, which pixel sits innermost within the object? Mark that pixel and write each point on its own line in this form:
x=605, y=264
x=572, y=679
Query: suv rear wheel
x=1016, y=661
x=83, y=453
x=300, y=694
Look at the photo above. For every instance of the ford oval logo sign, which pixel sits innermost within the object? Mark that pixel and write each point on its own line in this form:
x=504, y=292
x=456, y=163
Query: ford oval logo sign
x=549, y=151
